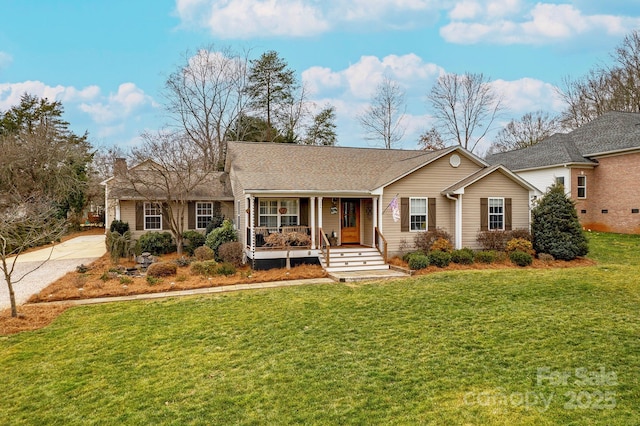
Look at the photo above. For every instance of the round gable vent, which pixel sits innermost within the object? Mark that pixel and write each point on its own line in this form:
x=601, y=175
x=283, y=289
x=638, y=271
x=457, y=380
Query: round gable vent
x=454, y=160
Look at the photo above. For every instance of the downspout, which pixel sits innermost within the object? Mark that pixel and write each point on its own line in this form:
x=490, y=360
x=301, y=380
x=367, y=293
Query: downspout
x=458, y=224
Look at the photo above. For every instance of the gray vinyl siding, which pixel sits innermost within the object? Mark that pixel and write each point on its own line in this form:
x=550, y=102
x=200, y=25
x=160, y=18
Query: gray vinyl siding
x=428, y=182
x=494, y=185
x=128, y=214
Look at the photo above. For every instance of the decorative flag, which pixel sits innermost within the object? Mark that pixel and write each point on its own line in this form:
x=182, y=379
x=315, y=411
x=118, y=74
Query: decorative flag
x=395, y=209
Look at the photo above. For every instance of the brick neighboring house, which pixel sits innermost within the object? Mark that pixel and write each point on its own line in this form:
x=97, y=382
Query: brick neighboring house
x=599, y=164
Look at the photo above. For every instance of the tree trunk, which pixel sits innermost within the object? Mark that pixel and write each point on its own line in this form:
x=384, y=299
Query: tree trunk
x=12, y=294
x=12, y=298
x=288, y=263
x=179, y=243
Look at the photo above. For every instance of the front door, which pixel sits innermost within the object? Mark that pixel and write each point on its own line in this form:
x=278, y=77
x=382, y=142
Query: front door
x=350, y=221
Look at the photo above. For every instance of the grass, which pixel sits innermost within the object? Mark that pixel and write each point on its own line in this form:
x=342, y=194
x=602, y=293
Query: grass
x=449, y=348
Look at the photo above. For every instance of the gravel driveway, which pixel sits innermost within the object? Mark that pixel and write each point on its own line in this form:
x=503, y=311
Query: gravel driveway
x=65, y=257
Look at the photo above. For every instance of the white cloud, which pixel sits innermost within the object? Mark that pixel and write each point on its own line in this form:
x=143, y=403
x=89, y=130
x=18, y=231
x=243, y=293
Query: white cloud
x=360, y=79
x=350, y=89
x=371, y=10
x=527, y=95
x=544, y=23
x=299, y=18
x=118, y=106
x=253, y=18
x=10, y=93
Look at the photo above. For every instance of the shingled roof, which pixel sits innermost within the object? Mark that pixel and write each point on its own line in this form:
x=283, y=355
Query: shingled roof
x=211, y=186
x=286, y=167
x=611, y=132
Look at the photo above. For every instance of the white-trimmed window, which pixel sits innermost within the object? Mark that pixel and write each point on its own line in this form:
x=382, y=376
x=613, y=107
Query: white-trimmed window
x=204, y=214
x=418, y=214
x=152, y=216
x=274, y=213
x=496, y=213
x=582, y=187
x=560, y=180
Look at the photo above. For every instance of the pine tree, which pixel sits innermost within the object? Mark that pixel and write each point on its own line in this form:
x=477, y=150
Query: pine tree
x=555, y=226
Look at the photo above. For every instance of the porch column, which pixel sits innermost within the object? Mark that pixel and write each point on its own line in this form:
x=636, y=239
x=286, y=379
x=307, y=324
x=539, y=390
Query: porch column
x=312, y=218
x=117, y=209
x=252, y=222
x=459, y=222
x=374, y=213
x=320, y=216
x=380, y=213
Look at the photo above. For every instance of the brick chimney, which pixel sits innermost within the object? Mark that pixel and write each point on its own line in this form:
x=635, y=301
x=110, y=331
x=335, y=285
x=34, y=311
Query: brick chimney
x=120, y=167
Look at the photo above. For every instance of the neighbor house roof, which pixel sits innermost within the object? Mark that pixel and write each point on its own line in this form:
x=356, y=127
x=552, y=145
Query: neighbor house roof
x=556, y=149
x=289, y=167
x=609, y=133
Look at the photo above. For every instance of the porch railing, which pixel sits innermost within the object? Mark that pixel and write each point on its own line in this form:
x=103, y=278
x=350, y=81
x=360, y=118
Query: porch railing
x=380, y=240
x=260, y=233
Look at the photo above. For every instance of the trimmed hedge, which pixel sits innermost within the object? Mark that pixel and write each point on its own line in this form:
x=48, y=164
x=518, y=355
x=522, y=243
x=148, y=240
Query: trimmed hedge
x=463, y=256
x=521, y=258
x=162, y=269
x=441, y=259
x=207, y=268
x=486, y=256
x=418, y=261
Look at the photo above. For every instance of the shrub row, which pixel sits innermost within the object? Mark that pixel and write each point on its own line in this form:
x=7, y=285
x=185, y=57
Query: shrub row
x=497, y=240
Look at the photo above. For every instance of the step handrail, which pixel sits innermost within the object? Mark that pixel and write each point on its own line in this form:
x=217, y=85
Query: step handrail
x=324, y=243
x=379, y=237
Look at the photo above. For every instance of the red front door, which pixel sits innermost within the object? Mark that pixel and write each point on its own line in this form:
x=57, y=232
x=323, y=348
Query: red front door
x=350, y=226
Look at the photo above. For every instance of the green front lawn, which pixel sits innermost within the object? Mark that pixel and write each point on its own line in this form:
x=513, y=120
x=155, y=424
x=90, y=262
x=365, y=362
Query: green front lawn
x=447, y=348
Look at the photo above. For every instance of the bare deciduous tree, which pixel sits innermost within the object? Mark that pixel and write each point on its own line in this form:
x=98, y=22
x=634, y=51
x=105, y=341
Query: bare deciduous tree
x=530, y=129
x=172, y=172
x=465, y=107
x=383, y=120
x=42, y=181
x=605, y=88
x=204, y=98
x=31, y=222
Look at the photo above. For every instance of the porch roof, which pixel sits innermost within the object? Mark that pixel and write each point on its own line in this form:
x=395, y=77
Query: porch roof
x=459, y=186
x=305, y=168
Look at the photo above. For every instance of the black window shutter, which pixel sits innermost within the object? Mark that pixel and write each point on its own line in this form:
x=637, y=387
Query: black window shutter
x=432, y=214
x=484, y=214
x=404, y=215
x=507, y=214
x=139, y=216
x=191, y=215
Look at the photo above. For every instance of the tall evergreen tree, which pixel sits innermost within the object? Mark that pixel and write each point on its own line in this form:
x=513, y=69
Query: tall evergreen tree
x=270, y=87
x=555, y=227
x=322, y=130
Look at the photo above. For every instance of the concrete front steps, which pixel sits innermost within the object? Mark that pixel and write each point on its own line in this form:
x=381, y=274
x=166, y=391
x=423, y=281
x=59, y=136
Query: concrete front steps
x=353, y=259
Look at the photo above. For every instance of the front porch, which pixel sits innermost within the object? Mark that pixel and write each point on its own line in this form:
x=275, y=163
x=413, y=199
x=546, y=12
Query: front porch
x=318, y=230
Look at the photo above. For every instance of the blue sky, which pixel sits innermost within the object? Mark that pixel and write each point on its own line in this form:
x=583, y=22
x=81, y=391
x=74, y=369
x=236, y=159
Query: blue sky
x=107, y=60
